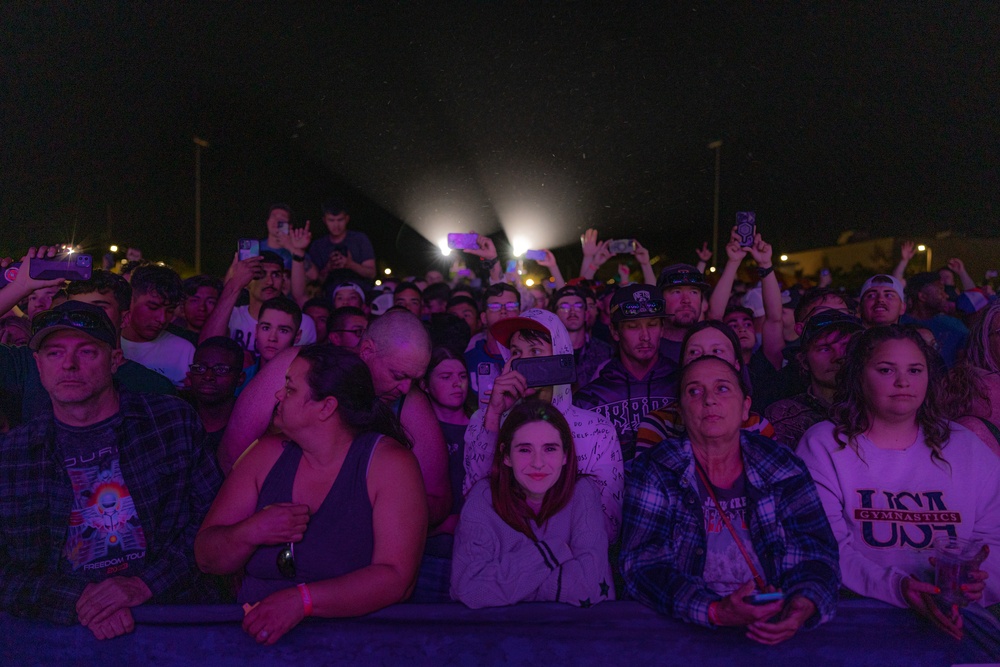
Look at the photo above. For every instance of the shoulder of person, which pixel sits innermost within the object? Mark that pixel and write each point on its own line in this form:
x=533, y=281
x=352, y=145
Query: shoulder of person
x=961, y=438
x=261, y=455
x=154, y=405
x=136, y=377
x=586, y=493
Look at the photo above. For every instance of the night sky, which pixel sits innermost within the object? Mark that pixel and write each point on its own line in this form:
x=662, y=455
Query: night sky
x=541, y=120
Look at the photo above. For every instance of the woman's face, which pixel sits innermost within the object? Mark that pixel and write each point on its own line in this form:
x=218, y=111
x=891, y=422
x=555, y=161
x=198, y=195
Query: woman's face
x=295, y=408
x=448, y=384
x=710, y=342
x=895, y=379
x=712, y=405
x=536, y=457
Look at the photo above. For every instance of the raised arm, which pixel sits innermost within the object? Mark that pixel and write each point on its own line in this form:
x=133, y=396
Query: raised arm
x=23, y=285
x=958, y=266
x=772, y=335
x=906, y=252
x=237, y=278
x=642, y=256
x=550, y=263
x=724, y=288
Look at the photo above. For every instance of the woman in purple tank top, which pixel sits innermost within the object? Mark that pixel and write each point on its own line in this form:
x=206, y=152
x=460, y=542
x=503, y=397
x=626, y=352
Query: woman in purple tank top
x=328, y=522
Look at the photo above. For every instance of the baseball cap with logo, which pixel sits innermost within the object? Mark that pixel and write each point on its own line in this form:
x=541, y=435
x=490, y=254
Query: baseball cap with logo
x=636, y=302
x=74, y=316
x=682, y=274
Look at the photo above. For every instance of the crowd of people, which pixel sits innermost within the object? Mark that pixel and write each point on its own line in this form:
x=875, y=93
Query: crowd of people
x=298, y=439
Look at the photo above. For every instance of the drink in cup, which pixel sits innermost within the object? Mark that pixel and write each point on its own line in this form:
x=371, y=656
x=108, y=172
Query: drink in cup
x=954, y=558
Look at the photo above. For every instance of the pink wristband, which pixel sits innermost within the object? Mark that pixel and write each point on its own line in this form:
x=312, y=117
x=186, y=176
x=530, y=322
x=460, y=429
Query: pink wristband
x=307, y=601
x=712, y=617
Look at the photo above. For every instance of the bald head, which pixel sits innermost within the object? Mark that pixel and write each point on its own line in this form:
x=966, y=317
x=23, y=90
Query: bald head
x=397, y=349
x=395, y=329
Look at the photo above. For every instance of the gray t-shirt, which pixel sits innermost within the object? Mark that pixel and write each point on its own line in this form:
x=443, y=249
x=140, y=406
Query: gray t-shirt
x=103, y=537
x=725, y=567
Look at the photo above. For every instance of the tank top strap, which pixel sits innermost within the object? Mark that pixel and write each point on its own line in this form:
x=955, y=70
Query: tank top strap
x=360, y=455
x=277, y=486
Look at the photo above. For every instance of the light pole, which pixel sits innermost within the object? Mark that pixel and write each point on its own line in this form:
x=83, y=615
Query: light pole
x=199, y=143
x=717, y=147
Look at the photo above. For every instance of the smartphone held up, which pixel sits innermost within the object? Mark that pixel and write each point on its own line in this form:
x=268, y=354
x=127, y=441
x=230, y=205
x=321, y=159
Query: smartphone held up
x=746, y=228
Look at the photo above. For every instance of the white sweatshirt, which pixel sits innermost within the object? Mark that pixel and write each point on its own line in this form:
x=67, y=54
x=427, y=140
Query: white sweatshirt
x=887, y=507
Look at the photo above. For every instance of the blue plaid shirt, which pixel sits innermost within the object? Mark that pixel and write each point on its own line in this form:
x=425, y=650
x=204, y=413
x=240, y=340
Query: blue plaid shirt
x=172, y=481
x=664, y=538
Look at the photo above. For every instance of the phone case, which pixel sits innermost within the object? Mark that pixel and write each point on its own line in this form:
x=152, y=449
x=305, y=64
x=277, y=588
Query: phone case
x=746, y=227
x=463, y=241
x=546, y=371
x=73, y=267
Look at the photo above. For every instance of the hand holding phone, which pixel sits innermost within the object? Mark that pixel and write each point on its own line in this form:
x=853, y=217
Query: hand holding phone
x=536, y=255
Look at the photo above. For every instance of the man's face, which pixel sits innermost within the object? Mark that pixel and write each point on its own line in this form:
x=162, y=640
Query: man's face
x=825, y=356
x=682, y=305
x=76, y=368
x=541, y=297
x=468, y=314
x=40, y=300
x=828, y=302
x=197, y=307
x=336, y=224
x=409, y=299
x=212, y=387
x=881, y=305
x=435, y=306
x=149, y=315
x=319, y=316
x=347, y=297
x=934, y=297
x=394, y=371
x=572, y=312
x=275, y=332
x=500, y=308
x=106, y=301
x=350, y=335
x=638, y=340
x=278, y=217
x=433, y=277
x=521, y=347
x=269, y=285
x=742, y=326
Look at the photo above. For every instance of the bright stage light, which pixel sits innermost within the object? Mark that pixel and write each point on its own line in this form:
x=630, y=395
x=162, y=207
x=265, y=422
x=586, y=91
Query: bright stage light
x=529, y=282
x=114, y=248
x=388, y=272
x=519, y=245
x=921, y=248
x=784, y=258
x=445, y=250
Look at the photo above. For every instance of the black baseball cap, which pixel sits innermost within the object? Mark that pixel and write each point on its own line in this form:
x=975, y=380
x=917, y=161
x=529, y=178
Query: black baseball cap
x=826, y=321
x=635, y=302
x=76, y=316
x=573, y=290
x=682, y=274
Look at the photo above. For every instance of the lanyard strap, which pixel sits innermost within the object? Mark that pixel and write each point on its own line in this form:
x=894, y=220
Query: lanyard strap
x=759, y=580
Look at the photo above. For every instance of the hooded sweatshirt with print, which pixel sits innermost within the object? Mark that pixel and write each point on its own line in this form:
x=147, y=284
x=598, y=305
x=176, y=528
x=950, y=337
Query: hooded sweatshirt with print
x=625, y=400
x=597, y=450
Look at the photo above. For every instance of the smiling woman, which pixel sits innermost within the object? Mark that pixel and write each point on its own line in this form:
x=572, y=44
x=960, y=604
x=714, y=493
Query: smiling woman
x=533, y=531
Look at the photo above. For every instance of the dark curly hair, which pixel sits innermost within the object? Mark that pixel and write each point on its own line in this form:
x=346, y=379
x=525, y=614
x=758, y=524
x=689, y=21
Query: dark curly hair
x=851, y=411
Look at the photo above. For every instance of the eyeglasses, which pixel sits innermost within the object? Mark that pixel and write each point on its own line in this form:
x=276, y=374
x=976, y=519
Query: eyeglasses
x=358, y=331
x=572, y=306
x=512, y=307
x=653, y=307
x=286, y=561
x=217, y=369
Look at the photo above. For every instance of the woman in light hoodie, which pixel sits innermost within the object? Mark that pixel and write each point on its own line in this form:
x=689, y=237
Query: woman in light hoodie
x=539, y=333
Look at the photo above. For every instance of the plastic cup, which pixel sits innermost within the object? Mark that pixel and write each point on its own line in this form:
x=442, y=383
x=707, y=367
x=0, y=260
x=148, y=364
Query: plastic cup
x=954, y=558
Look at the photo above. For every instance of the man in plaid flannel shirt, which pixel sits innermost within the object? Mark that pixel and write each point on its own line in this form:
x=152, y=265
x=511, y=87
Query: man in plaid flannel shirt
x=101, y=498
